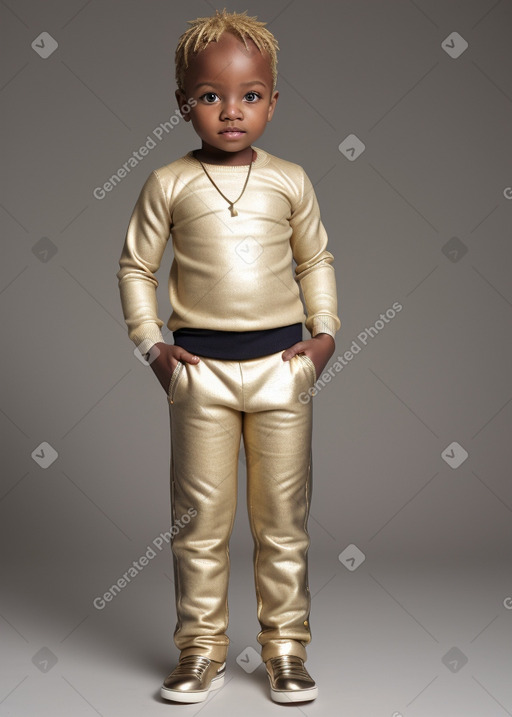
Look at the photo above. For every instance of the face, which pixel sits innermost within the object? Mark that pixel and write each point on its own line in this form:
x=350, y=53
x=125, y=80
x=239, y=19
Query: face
x=233, y=90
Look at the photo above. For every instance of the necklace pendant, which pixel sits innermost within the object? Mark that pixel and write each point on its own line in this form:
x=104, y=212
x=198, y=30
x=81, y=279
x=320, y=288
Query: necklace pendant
x=232, y=209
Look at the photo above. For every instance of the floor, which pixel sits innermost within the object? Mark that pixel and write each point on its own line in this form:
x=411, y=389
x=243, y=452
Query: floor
x=388, y=640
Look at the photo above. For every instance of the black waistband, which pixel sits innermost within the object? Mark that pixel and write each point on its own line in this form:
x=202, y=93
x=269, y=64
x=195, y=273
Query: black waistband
x=237, y=345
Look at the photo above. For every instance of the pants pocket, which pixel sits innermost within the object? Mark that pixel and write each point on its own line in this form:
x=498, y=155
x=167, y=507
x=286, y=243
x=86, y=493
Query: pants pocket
x=309, y=363
x=173, y=381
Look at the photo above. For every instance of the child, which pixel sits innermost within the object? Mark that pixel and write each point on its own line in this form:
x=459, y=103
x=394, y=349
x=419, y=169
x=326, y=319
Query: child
x=237, y=216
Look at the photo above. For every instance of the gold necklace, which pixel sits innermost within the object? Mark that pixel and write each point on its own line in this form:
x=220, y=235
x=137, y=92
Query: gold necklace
x=232, y=209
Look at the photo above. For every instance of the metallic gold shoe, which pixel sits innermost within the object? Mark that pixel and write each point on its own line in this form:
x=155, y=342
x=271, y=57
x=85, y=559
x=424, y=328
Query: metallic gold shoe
x=193, y=678
x=289, y=680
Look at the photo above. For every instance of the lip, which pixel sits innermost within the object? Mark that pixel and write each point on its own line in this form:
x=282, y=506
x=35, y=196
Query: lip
x=232, y=131
x=232, y=135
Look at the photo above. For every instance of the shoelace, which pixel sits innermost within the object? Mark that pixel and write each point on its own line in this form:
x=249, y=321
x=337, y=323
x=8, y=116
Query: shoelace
x=289, y=666
x=192, y=663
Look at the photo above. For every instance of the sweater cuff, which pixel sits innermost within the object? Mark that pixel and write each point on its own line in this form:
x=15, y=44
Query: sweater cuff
x=324, y=324
x=147, y=336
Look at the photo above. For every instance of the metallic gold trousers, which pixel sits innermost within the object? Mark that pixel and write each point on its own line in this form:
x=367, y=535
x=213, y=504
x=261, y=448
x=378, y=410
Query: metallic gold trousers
x=213, y=404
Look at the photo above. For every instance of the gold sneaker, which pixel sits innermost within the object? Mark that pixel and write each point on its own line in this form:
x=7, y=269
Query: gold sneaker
x=289, y=680
x=193, y=678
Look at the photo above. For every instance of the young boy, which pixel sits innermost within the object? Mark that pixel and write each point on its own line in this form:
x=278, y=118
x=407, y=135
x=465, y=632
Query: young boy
x=237, y=216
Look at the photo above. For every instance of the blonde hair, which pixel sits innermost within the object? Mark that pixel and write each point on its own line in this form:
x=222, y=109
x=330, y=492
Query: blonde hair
x=205, y=30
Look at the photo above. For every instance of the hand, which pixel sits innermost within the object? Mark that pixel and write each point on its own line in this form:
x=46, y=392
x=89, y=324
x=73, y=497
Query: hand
x=168, y=358
x=319, y=349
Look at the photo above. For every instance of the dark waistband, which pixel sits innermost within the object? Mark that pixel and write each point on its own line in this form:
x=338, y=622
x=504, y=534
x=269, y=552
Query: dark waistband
x=238, y=345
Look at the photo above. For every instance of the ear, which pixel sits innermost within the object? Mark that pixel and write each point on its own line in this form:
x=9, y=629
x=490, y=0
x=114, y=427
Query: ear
x=272, y=105
x=182, y=102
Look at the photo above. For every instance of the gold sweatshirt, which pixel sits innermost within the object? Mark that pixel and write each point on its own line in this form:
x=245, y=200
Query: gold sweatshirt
x=228, y=273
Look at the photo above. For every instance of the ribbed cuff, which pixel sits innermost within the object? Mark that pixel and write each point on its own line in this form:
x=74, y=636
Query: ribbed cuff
x=146, y=336
x=324, y=325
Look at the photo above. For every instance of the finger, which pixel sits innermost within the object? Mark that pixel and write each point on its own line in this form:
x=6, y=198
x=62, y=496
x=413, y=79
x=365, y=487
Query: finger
x=188, y=357
x=292, y=350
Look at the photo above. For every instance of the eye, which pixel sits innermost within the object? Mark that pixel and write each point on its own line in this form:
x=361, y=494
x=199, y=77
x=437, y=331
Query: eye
x=252, y=96
x=208, y=97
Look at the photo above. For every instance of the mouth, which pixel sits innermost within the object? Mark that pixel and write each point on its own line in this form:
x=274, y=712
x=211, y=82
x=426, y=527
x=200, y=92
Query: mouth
x=232, y=132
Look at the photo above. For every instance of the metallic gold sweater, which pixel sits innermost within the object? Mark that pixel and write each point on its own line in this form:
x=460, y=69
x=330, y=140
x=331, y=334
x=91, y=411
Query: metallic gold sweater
x=228, y=273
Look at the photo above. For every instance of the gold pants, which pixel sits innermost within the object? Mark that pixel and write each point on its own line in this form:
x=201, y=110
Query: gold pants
x=213, y=404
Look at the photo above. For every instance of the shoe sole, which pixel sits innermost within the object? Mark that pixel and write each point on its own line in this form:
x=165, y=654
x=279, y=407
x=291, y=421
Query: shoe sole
x=192, y=697
x=284, y=696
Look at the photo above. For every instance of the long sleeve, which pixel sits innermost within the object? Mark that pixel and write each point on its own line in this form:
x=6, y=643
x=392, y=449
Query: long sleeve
x=314, y=270
x=145, y=242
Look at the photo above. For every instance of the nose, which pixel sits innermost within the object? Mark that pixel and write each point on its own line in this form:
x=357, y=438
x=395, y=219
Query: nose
x=231, y=110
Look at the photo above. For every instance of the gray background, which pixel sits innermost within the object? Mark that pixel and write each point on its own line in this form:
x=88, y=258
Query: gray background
x=435, y=176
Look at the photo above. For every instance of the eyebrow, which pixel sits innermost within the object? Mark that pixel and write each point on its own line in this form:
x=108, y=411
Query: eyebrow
x=242, y=84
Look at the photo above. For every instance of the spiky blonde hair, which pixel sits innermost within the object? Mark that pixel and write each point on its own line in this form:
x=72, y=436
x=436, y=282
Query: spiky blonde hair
x=208, y=29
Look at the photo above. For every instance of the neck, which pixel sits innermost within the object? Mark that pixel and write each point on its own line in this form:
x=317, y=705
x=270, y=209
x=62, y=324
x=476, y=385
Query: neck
x=232, y=159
